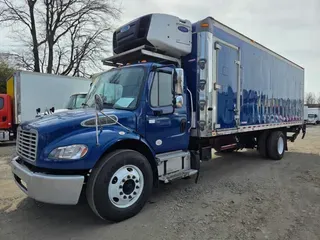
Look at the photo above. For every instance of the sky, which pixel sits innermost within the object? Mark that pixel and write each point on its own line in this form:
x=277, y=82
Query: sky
x=288, y=27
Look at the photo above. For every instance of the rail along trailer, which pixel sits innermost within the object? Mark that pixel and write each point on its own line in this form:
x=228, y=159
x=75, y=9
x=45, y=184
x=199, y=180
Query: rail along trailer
x=176, y=91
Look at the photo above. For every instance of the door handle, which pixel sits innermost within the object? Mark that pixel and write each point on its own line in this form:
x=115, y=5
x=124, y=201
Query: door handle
x=183, y=125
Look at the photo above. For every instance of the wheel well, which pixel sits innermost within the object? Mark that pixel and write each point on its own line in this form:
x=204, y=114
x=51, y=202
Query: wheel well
x=140, y=147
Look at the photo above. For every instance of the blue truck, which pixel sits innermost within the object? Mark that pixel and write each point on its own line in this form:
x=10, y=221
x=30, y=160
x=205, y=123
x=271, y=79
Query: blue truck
x=176, y=90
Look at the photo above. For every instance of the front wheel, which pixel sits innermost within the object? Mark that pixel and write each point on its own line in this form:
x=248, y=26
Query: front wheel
x=120, y=185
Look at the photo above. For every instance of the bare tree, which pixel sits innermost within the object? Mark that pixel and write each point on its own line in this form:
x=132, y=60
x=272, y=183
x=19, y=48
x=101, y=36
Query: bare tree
x=310, y=98
x=65, y=36
x=318, y=99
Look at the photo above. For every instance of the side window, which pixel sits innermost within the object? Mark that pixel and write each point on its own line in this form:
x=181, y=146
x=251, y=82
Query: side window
x=161, y=90
x=1, y=103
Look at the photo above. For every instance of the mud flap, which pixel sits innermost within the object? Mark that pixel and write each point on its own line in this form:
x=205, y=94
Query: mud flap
x=195, y=163
x=304, y=130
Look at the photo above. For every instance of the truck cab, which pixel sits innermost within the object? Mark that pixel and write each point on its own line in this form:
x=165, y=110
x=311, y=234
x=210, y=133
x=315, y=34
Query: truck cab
x=143, y=122
x=312, y=118
x=6, y=118
x=76, y=100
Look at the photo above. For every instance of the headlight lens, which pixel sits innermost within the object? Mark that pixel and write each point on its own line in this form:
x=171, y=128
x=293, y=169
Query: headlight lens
x=76, y=151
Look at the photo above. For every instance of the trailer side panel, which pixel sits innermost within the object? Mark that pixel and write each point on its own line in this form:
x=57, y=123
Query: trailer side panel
x=271, y=88
x=252, y=87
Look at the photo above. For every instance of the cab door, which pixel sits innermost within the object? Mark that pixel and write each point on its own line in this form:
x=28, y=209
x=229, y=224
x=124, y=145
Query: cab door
x=166, y=125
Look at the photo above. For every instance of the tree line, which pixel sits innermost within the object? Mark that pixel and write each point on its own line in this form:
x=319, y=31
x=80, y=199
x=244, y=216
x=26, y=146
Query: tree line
x=67, y=37
x=312, y=98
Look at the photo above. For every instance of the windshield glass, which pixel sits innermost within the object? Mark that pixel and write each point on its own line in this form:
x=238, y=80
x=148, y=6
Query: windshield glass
x=81, y=98
x=119, y=88
x=75, y=101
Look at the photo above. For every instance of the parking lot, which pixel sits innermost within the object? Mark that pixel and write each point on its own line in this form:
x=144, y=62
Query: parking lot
x=238, y=196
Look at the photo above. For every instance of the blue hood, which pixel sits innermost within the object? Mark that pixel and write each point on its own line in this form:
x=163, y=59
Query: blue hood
x=51, y=127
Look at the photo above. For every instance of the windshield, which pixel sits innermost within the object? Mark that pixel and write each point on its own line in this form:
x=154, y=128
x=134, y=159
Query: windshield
x=75, y=101
x=119, y=88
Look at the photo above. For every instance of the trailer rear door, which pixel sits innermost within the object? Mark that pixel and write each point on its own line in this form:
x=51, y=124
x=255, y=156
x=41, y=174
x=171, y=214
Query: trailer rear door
x=228, y=83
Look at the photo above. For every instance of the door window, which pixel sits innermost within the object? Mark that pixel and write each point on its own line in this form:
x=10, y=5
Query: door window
x=161, y=90
x=1, y=103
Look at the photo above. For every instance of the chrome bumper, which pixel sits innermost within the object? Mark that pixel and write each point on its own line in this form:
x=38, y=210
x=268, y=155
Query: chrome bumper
x=56, y=189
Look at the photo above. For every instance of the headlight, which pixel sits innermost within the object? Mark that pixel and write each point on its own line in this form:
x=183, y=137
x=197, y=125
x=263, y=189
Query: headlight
x=76, y=151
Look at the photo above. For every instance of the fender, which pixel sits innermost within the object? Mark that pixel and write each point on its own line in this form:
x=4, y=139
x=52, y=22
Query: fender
x=134, y=142
x=140, y=145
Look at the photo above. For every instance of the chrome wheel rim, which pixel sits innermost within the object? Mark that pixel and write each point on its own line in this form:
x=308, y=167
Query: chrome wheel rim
x=280, y=145
x=125, y=186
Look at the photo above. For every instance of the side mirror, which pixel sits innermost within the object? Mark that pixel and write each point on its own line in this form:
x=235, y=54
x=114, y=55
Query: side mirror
x=178, y=88
x=98, y=102
x=174, y=82
x=179, y=84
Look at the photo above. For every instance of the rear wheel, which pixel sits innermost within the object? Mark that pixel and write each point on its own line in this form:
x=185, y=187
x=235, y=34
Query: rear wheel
x=276, y=145
x=120, y=185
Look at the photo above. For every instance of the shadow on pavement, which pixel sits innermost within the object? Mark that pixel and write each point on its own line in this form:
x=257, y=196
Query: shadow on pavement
x=7, y=144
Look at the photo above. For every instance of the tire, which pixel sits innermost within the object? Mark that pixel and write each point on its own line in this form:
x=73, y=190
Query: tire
x=275, y=151
x=119, y=185
x=262, y=144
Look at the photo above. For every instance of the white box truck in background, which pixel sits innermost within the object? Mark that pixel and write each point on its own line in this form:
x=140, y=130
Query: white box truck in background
x=313, y=116
x=28, y=91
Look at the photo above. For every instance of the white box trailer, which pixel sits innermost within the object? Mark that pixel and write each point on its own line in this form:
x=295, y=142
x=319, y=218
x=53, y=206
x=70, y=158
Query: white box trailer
x=28, y=91
x=38, y=90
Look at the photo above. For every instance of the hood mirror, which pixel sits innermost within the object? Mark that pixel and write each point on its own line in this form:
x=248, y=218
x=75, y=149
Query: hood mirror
x=38, y=110
x=98, y=102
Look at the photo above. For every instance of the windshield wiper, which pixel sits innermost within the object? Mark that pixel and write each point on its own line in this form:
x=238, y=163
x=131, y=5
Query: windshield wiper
x=108, y=105
x=85, y=105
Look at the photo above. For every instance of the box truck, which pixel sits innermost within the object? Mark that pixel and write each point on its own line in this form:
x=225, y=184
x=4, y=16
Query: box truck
x=29, y=91
x=177, y=90
x=313, y=115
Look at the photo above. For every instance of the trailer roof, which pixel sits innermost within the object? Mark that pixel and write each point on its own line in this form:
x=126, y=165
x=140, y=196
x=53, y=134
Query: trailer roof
x=245, y=38
x=50, y=74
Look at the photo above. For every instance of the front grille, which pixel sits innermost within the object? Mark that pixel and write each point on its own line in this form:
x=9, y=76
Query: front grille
x=27, y=142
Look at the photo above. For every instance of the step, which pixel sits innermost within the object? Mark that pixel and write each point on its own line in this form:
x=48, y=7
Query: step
x=179, y=174
x=169, y=155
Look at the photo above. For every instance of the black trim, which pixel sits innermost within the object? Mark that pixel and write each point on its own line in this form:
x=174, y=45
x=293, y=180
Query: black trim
x=33, y=168
x=182, y=163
